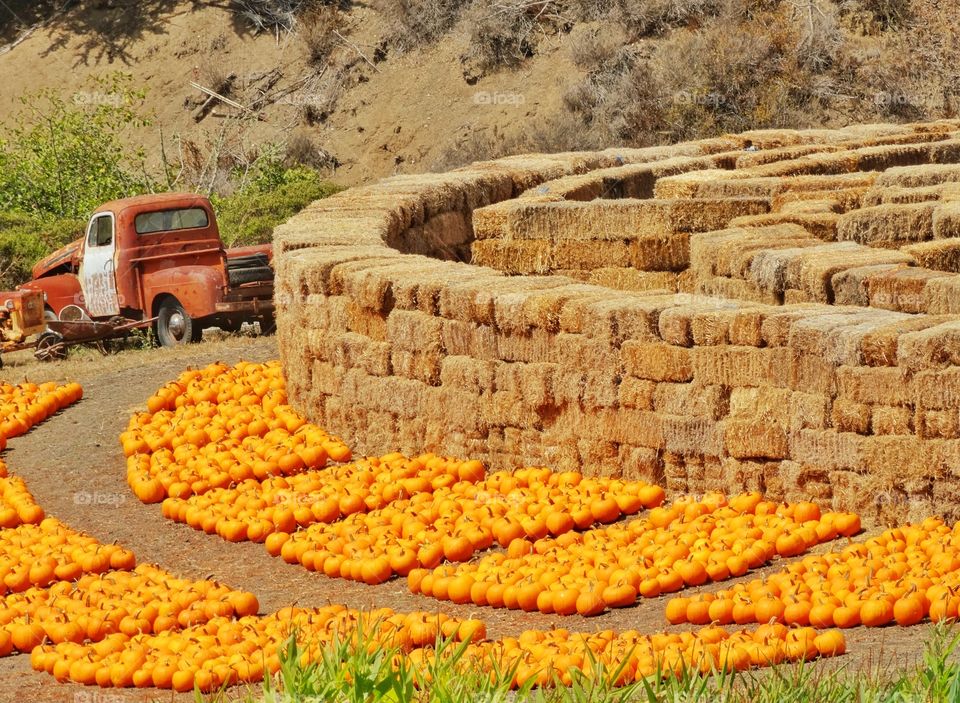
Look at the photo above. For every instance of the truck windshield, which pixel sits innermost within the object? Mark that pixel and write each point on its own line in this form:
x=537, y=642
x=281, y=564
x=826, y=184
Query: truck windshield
x=170, y=220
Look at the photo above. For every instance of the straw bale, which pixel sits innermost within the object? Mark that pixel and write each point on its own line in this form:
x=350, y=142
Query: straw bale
x=589, y=255
x=351, y=350
x=937, y=389
x=880, y=195
x=622, y=425
x=899, y=460
x=446, y=236
x=809, y=411
x=849, y=416
x=812, y=270
x=513, y=256
x=820, y=225
x=919, y=176
x=934, y=347
x=588, y=371
x=741, y=366
x=636, y=393
x=692, y=436
x=533, y=346
x=474, y=300
x=601, y=457
x=942, y=296
x=765, y=156
x=882, y=158
x=469, y=339
x=640, y=464
x=419, y=365
x=889, y=225
x=879, y=348
x=505, y=409
x=947, y=455
x=827, y=448
x=370, y=283
x=533, y=382
x=798, y=482
x=891, y=420
x=656, y=361
x=693, y=399
x=419, y=288
x=673, y=326
x=493, y=221
x=938, y=424
x=399, y=396
x=686, y=281
x=729, y=251
x=812, y=374
x=597, y=220
x=369, y=323
x=849, y=286
x=846, y=198
x=329, y=314
x=946, y=220
x=519, y=305
x=825, y=205
x=882, y=385
x=325, y=378
x=614, y=318
x=629, y=279
x=665, y=252
x=688, y=185
x=732, y=289
x=746, y=327
x=762, y=403
x=414, y=331
x=455, y=408
x=837, y=337
x=323, y=269
x=541, y=307
x=841, y=162
x=938, y=255
x=795, y=296
x=746, y=439
x=707, y=214
x=902, y=289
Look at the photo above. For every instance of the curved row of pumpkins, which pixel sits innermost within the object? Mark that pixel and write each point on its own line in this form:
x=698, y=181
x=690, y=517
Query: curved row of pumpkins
x=88, y=613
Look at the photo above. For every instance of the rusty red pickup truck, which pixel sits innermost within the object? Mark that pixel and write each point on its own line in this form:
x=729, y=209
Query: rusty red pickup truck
x=160, y=260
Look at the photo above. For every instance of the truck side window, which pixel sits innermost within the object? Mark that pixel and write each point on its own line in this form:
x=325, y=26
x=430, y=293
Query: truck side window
x=101, y=232
x=171, y=220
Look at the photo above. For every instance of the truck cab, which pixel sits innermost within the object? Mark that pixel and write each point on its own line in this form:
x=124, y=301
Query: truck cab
x=161, y=258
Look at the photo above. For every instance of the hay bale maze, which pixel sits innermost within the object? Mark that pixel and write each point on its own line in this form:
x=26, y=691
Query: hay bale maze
x=785, y=319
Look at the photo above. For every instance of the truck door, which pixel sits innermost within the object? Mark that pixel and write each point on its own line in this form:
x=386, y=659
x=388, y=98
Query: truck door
x=97, y=269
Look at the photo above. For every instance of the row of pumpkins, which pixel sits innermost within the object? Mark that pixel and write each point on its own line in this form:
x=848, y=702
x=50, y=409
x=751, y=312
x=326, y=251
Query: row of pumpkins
x=88, y=613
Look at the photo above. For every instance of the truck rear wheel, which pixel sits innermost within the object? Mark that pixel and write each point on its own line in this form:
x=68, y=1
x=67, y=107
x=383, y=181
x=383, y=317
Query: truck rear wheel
x=175, y=326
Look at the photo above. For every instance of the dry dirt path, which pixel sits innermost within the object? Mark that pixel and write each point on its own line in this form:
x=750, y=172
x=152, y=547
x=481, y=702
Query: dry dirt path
x=74, y=466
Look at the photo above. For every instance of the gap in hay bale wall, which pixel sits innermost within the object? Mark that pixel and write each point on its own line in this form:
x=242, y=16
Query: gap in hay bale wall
x=395, y=349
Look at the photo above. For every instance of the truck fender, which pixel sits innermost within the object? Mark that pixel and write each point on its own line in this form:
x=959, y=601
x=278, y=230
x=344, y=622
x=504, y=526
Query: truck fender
x=198, y=288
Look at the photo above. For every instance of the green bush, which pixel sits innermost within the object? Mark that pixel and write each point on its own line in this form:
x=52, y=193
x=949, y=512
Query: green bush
x=273, y=196
x=24, y=239
x=64, y=158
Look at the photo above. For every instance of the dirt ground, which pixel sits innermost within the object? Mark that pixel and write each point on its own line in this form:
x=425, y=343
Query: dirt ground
x=74, y=466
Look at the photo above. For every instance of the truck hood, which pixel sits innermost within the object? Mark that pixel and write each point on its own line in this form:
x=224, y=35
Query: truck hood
x=67, y=254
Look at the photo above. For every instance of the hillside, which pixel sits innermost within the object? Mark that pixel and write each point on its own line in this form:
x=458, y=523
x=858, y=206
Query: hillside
x=404, y=86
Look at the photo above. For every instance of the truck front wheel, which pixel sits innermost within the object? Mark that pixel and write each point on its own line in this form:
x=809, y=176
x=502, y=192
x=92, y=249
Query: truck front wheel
x=175, y=326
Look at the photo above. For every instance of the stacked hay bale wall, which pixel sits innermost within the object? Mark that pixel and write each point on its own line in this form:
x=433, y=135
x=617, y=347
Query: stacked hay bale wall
x=389, y=338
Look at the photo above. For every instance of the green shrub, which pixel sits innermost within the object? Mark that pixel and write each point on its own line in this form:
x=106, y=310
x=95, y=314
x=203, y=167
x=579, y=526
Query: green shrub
x=24, y=239
x=273, y=196
x=64, y=158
